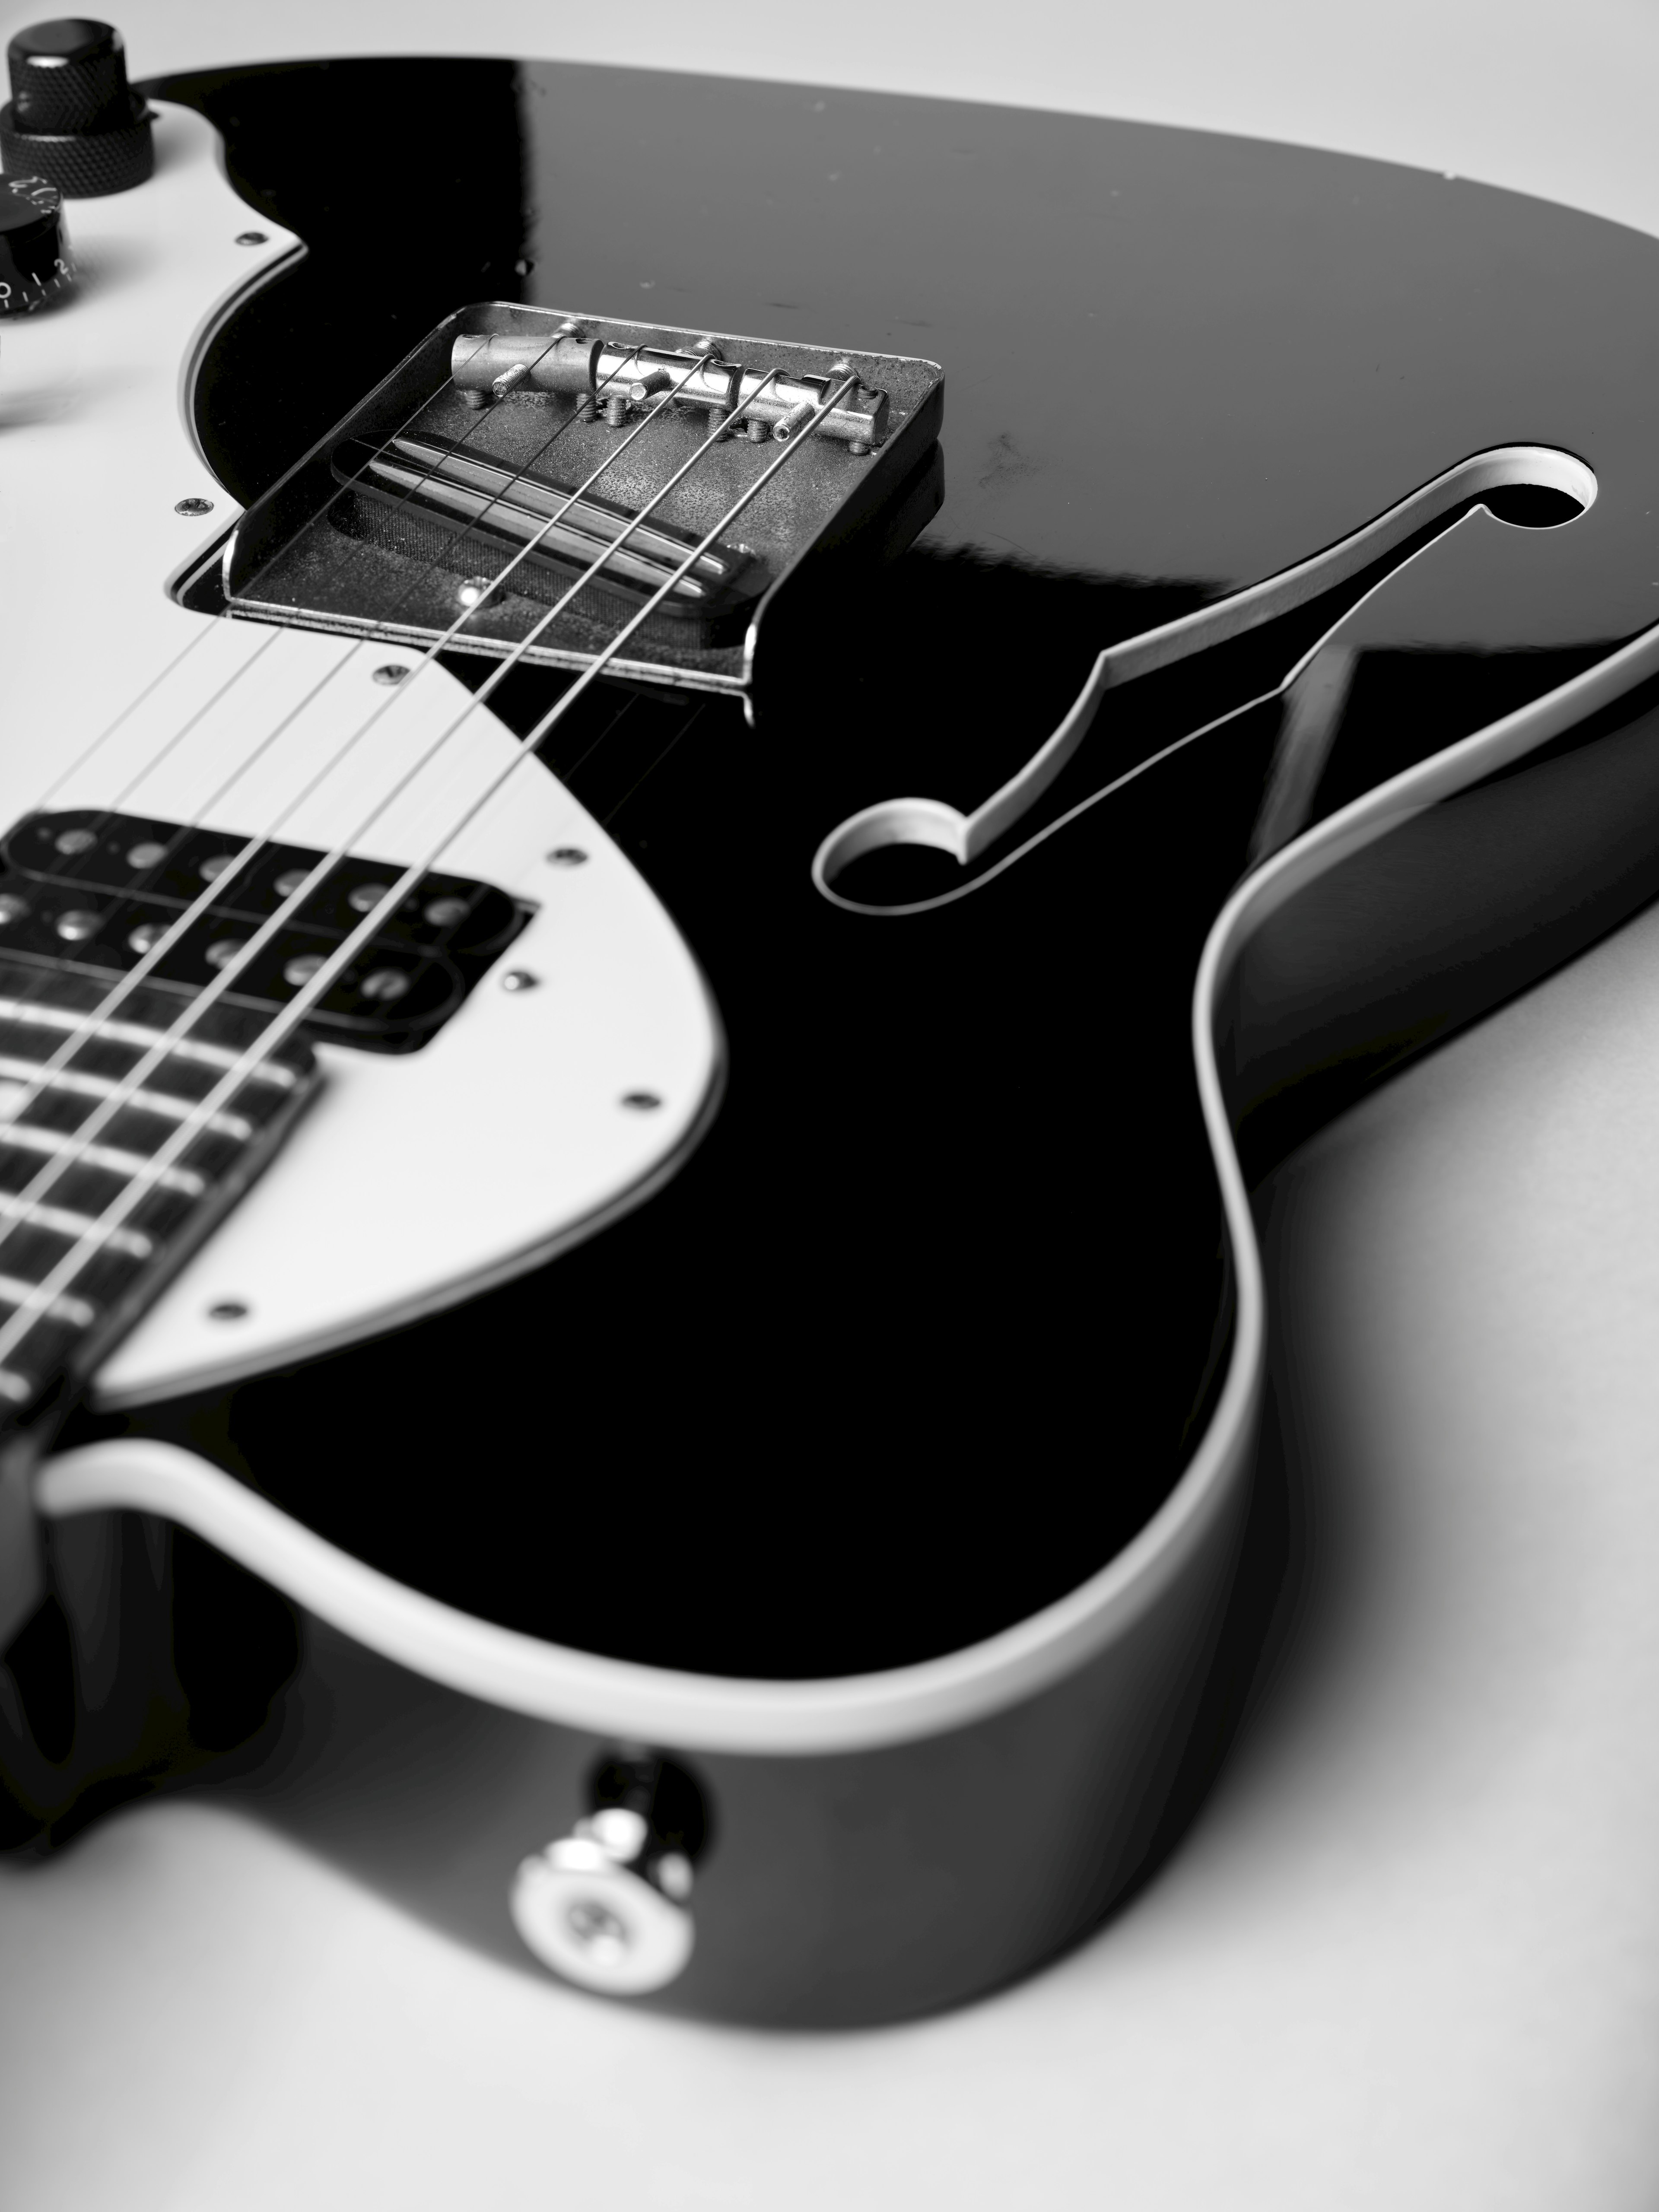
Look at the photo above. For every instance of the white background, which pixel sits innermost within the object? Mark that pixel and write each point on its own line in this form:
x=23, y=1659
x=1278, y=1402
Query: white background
x=1409, y=1956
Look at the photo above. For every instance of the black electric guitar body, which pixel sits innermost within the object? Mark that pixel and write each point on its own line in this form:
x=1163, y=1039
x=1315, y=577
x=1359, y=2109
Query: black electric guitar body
x=855, y=1510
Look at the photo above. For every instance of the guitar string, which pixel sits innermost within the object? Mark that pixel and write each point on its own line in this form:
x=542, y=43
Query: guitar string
x=38, y=989
x=146, y=879
x=40, y=1299
x=41, y=1296
x=49, y=1174
x=17, y=1205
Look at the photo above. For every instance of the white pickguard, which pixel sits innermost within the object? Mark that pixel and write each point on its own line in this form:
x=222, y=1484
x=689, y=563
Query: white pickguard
x=411, y=1180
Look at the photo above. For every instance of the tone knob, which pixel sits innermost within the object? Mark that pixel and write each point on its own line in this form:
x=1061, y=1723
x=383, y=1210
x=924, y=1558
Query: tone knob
x=34, y=256
x=72, y=117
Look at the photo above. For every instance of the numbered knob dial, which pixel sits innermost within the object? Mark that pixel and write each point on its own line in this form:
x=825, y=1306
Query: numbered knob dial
x=34, y=258
x=72, y=119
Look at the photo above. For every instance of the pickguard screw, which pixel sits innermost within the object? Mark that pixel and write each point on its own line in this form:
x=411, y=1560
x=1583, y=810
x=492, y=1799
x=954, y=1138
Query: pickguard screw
x=643, y=1102
x=251, y=238
x=192, y=506
x=390, y=672
x=228, y=1310
x=520, y=979
x=566, y=856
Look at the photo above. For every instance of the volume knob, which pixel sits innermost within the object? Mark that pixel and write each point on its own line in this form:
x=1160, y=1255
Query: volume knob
x=35, y=257
x=72, y=117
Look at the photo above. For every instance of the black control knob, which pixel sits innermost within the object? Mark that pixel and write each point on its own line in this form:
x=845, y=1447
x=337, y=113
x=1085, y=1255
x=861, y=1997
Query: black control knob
x=34, y=256
x=72, y=117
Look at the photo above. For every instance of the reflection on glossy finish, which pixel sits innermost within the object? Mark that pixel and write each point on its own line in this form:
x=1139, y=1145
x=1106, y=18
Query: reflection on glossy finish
x=941, y=1305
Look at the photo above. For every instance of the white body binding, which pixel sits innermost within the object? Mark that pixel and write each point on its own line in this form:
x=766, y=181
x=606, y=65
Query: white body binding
x=413, y=1177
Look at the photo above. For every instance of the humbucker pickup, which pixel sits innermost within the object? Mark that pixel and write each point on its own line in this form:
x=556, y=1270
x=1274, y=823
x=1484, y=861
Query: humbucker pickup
x=91, y=893
x=559, y=534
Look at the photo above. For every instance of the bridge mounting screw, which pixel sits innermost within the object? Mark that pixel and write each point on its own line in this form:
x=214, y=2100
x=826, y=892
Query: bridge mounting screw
x=192, y=506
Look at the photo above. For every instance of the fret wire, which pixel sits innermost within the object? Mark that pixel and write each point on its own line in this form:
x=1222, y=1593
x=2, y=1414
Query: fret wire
x=13, y=1332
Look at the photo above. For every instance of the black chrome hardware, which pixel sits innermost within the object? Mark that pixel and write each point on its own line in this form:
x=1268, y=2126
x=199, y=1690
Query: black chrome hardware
x=35, y=257
x=72, y=117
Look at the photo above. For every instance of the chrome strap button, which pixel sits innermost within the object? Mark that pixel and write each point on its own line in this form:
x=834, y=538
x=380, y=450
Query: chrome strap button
x=604, y=1909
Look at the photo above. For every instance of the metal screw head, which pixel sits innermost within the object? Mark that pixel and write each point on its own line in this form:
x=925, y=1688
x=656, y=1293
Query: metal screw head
x=473, y=591
x=77, y=925
x=520, y=979
x=390, y=672
x=221, y=954
x=149, y=852
x=146, y=934
x=75, y=840
x=708, y=346
x=228, y=1310
x=192, y=506
x=841, y=368
x=384, y=984
x=289, y=882
x=301, y=969
x=253, y=237
x=642, y=1102
x=445, y=913
x=12, y=908
x=566, y=856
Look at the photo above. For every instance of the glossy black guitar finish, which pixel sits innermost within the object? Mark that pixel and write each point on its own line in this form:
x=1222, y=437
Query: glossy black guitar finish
x=933, y=1321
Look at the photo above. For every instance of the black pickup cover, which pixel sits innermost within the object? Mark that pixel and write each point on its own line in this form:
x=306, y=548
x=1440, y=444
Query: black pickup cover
x=419, y=968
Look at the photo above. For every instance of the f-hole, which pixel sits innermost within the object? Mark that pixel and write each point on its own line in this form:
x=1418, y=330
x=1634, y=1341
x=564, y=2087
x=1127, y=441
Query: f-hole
x=1524, y=487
